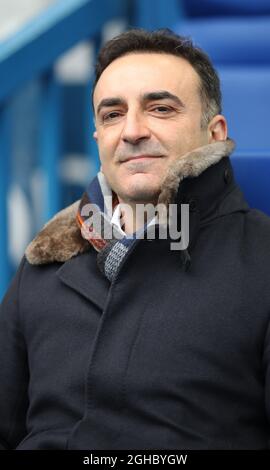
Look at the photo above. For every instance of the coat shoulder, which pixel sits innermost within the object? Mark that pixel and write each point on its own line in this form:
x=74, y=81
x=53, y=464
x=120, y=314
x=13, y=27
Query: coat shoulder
x=59, y=240
x=258, y=220
x=257, y=235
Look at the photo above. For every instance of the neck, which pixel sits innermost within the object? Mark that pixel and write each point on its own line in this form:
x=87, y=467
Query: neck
x=135, y=215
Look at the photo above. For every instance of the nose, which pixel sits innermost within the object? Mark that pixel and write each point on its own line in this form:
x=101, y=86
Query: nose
x=135, y=128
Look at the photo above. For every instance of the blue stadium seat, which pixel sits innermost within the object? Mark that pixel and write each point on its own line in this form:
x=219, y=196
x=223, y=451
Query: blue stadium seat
x=153, y=14
x=252, y=171
x=226, y=7
x=246, y=105
x=240, y=50
x=230, y=40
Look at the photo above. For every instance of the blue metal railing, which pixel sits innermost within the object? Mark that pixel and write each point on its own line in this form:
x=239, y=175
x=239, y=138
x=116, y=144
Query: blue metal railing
x=35, y=48
x=29, y=54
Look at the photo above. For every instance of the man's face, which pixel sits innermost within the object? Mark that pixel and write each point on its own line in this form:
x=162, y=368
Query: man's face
x=148, y=113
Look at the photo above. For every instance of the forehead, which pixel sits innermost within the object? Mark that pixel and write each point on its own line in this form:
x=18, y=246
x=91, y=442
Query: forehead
x=135, y=73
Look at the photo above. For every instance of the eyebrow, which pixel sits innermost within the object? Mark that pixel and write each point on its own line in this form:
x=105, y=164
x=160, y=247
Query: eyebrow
x=162, y=95
x=108, y=102
x=151, y=96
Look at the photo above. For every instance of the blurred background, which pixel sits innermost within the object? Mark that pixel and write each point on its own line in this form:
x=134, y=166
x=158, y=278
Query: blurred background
x=47, y=54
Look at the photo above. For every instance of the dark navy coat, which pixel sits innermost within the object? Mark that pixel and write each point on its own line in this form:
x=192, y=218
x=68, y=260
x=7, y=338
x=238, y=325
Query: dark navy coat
x=161, y=358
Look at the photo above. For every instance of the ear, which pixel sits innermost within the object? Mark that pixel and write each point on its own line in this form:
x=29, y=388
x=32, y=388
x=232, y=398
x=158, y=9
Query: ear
x=217, y=129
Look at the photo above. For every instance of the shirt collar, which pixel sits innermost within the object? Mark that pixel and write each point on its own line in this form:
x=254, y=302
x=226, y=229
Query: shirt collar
x=115, y=220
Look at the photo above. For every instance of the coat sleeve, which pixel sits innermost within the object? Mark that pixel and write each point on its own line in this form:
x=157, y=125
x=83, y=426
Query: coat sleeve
x=13, y=368
x=266, y=366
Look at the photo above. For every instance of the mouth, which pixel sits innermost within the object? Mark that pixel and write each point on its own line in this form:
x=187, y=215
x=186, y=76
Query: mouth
x=142, y=157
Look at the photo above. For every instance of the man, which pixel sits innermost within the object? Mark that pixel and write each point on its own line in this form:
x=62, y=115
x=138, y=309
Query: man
x=119, y=343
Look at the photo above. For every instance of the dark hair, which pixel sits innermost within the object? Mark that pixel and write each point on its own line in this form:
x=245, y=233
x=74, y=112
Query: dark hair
x=166, y=41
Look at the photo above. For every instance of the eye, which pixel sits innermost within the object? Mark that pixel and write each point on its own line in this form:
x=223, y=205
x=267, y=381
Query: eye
x=110, y=116
x=162, y=109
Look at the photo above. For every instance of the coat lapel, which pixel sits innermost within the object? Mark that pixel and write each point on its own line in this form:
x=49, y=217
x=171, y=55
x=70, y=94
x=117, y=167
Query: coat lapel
x=81, y=274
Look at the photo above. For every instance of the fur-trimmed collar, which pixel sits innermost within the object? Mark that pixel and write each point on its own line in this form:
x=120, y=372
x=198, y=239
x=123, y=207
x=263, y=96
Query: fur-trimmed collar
x=60, y=239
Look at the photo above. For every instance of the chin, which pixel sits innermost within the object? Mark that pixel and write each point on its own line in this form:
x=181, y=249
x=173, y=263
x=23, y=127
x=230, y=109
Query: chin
x=139, y=187
x=141, y=194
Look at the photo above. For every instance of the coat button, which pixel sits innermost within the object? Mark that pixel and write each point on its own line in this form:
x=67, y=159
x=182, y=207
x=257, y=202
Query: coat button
x=227, y=176
x=192, y=205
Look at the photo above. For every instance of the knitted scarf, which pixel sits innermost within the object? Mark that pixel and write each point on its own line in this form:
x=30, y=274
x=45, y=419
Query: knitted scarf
x=113, y=248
